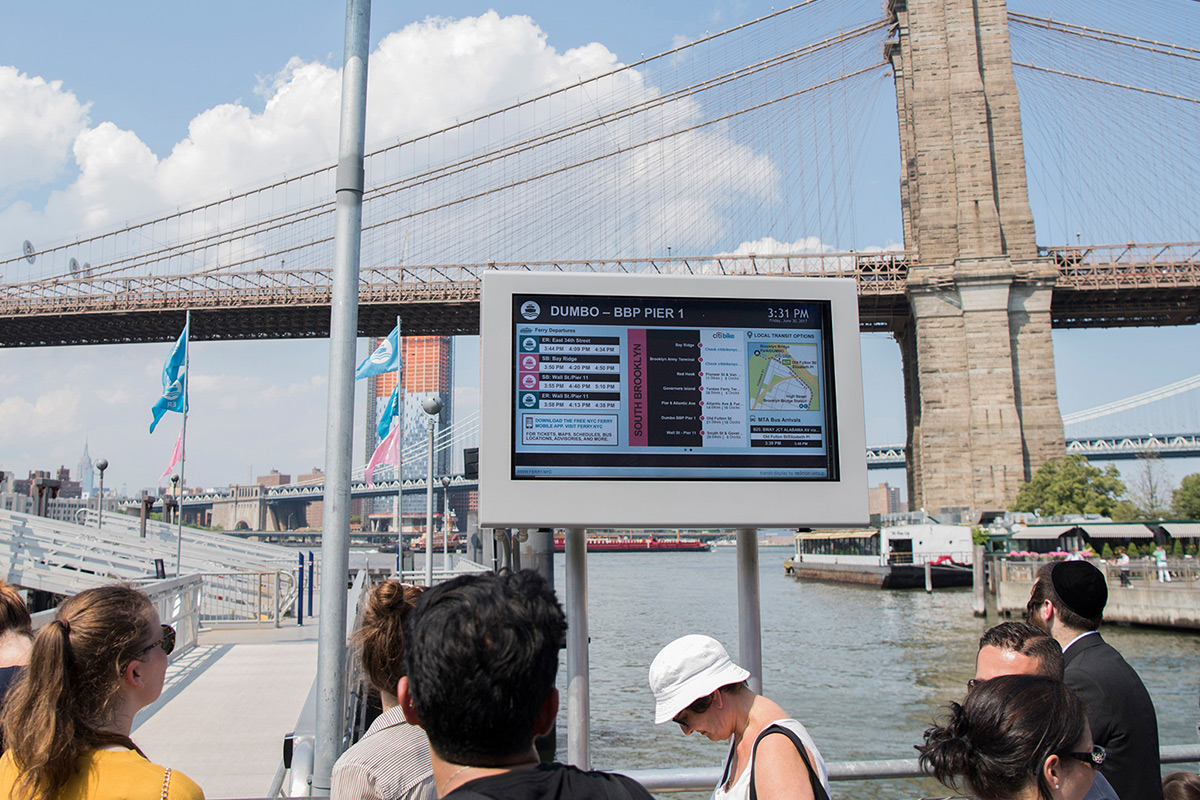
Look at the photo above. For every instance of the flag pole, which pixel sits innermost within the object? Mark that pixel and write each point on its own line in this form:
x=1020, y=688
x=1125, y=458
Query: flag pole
x=399, y=454
x=187, y=379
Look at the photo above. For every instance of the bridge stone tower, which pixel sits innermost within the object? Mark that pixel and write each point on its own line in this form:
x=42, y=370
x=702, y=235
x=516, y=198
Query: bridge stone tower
x=978, y=360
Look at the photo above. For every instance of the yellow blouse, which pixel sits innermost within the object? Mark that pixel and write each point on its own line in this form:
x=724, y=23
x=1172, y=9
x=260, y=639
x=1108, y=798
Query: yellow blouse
x=111, y=775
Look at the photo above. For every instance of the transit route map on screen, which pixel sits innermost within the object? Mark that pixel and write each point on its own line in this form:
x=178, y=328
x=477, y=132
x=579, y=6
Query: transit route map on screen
x=672, y=388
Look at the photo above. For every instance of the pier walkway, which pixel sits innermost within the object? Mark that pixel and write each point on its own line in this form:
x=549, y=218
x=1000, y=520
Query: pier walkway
x=227, y=704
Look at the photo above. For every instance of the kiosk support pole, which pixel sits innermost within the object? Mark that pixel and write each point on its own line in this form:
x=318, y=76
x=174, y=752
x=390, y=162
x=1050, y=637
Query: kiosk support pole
x=578, y=709
x=749, y=613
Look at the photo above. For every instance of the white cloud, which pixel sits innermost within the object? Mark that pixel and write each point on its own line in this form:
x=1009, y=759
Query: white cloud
x=38, y=124
x=259, y=403
x=50, y=414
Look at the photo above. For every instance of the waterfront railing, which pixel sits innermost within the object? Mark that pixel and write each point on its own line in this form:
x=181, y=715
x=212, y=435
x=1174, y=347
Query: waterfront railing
x=247, y=597
x=666, y=781
x=177, y=601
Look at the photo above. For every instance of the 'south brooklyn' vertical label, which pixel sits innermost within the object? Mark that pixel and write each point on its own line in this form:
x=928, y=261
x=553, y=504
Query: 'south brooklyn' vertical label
x=673, y=391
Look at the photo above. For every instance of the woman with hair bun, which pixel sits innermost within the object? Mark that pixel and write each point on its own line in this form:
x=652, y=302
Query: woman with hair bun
x=391, y=761
x=67, y=720
x=1016, y=737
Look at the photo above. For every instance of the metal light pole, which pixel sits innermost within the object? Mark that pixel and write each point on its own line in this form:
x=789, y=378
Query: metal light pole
x=343, y=331
x=101, y=465
x=446, y=522
x=178, y=525
x=432, y=406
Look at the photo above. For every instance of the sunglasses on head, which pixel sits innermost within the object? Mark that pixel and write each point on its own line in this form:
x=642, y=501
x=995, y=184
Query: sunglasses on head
x=1093, y=759
x=167, y=642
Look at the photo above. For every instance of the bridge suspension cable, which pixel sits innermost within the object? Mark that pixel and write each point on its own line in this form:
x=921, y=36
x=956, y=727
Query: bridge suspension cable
x=675, y=148
x=1127, y=100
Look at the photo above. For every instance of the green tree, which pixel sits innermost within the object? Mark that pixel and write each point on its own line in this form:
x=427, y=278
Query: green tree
x=1071, y=485
x=1126, y=511
x=1186, y=502
x=1133, y=551
x=1106, y=552
x=1177, y=549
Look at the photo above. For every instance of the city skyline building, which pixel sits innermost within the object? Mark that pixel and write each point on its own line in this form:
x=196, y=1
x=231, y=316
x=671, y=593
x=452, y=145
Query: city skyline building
x=428, y=368
x=85, y=471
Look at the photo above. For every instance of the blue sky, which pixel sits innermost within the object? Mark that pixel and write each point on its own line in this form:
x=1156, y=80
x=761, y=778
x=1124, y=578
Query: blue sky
x=102, y=83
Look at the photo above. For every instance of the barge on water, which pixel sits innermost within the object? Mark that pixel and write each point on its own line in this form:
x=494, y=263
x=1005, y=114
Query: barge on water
x=640, y=544
x=892, y=557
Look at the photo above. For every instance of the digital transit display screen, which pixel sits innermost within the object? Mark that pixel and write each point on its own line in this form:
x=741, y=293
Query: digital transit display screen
x=672, y=388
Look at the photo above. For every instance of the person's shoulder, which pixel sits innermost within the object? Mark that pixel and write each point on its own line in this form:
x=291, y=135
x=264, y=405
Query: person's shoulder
x=135, y=769
x=184, y=788
x=610, y=780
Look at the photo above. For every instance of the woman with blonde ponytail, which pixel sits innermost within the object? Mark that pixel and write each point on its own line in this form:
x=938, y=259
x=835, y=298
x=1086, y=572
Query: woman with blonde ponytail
x=1016, y=737
x=67, y=720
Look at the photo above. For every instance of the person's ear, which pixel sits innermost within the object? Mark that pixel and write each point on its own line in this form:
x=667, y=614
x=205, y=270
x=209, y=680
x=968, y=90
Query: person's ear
x=718, y=698
x=132, y=674
x=404, y=696
x=547, y=714
x=1052, y=771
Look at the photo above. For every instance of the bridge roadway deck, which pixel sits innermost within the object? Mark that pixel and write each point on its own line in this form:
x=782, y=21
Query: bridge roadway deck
x=227, y=705
x=1105, y=285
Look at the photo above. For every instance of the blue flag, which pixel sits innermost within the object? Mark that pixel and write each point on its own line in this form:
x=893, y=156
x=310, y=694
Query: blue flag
x=386, y=357
x=389, y=412
x=174, y=381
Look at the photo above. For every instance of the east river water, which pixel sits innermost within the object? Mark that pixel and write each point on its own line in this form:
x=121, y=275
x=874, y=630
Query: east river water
x=865, y=670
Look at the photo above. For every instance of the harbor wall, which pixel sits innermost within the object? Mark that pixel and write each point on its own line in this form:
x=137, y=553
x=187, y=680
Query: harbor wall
x=1167, y=605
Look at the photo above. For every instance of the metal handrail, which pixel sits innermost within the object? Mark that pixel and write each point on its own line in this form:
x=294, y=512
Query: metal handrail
x=704, y=778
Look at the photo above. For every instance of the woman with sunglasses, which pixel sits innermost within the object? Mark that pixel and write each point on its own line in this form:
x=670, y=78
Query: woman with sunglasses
x=1015, y=737
x=67, y=720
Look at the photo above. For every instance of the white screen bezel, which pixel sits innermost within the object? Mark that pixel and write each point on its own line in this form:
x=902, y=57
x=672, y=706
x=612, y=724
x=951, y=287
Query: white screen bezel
x=651, y=503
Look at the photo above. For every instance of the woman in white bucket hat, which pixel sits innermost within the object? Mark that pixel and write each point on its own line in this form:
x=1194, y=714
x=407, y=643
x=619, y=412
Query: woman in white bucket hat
x=771, y=756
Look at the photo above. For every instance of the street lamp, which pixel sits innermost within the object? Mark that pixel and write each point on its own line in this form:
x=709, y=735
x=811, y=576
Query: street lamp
x=101, y=465
x=432, y=406
x=178, y=525
x=446, y=522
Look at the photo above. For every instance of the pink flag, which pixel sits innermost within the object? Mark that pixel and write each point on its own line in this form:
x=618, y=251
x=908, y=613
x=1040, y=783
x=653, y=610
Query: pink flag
x=176, y=456
x=388, y=452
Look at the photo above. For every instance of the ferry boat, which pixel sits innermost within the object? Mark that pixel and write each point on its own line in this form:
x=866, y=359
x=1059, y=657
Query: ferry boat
x=630, y=544
x=892, y=557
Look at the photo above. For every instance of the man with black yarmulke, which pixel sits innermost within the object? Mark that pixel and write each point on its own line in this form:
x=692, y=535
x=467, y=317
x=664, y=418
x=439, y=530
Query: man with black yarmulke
x=1067, y=601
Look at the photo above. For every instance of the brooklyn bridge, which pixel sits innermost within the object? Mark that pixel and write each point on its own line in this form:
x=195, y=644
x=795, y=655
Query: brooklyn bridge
x=753, y=150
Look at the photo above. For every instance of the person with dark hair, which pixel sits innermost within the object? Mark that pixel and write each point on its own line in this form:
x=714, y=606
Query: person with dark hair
x=480, y=657
x=1014, y=737
x=391, y=761
x=16, y=638
x=771, y=755
x=1017, y=648
x=1067, y=601
x=67, y=720
x=1181, y=786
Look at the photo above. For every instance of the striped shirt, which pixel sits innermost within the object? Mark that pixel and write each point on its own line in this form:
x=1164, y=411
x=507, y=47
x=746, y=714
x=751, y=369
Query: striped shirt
x=390, y=762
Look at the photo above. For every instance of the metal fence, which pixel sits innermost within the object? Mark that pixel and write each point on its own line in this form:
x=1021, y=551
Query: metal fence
x=1183, y=571
x=177, y=601
x=691, y=780
x=257, y=597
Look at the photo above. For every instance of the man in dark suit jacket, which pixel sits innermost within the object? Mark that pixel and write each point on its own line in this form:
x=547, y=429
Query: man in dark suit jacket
x=1067, y=601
